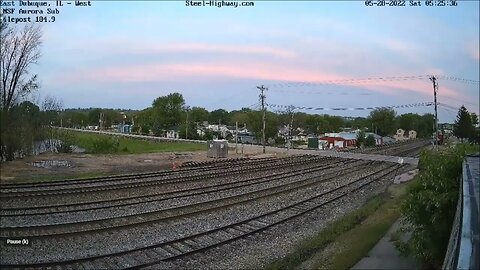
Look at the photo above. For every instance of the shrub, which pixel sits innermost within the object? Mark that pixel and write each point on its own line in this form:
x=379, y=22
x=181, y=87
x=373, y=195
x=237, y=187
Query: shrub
x=105, y=144
x=360, y=138
x=430, y=206
x=370, y=140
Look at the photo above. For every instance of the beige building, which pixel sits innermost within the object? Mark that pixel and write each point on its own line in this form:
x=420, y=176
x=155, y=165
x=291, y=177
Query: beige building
x=412, y=134
x=400, y=135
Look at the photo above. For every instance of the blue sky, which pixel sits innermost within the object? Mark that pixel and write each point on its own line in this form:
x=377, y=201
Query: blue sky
x=123, y=54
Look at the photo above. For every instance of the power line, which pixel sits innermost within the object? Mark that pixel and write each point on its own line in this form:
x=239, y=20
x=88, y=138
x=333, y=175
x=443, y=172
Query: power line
x=456, y=79
x=448, y=106
x=449, y=112
x=463, y=101
x=353, y=81
x=353, y=108
x=254, y=106
x=350, y=81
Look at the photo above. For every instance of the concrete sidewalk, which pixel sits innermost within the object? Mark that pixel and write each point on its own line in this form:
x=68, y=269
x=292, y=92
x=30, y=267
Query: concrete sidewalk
x=384, y=255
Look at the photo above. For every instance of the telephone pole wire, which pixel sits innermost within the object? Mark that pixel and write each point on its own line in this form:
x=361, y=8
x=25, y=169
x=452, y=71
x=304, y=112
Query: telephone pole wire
x=435, y=90
x=262, y=101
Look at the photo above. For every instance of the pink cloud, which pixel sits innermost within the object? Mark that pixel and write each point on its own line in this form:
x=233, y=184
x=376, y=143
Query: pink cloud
x=243, y=70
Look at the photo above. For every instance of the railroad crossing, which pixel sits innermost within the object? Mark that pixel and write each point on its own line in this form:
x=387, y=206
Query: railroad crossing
x=330, y=153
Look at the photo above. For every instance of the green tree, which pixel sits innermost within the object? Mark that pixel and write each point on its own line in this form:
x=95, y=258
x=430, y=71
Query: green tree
x=240, y=117
x=383, y=121
x=192, y=131
x=474, y=118
x=94, y=117
x=475, y=131
x=167, y=112
x=409, y=121
x=360, y=138
x=255, y=124
x=24, y=129
x=198, y=115
x=219, y=116
x=412, y=121
x=112, y=117
x=425, y=127
x=360, y=123
x=370, y=140
x=462, y=127
x=312, y=123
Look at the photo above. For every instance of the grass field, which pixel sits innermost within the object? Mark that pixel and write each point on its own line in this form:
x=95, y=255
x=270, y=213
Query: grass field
x=105, y=144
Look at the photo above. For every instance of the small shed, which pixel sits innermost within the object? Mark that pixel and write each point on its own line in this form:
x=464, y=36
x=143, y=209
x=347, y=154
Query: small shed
x=217, y=149
x=313, y=143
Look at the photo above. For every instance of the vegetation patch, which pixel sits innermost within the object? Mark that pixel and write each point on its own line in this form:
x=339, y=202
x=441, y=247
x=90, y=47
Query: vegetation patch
x=351, y=237
x=430, y=206
x=307, y=248
x=105, y=144
x=355, y=244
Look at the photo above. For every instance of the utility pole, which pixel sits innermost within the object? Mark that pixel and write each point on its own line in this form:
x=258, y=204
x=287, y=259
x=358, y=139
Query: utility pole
x=186, y=123
x=262, y=101
x=290, y=126
x=435, y=90
x=236, y=137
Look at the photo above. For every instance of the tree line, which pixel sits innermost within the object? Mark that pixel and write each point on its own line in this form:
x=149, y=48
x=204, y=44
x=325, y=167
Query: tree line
x=170, y=111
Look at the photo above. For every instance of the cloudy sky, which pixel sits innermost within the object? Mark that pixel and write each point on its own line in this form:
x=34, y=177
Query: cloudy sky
x=123, y=54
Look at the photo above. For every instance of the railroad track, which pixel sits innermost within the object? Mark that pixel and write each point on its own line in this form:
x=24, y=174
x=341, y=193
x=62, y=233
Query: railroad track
x=174, y=194
x=71, y=202
x=132, y=181
x=151, y=255
x=393, y=149
x=156, y=216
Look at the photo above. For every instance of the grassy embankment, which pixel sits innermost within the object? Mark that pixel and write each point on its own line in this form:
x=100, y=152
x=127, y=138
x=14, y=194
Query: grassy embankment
x=104, y=144
x=350, y=238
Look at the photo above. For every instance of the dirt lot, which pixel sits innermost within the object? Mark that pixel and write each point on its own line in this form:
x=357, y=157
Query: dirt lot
x=55, y=166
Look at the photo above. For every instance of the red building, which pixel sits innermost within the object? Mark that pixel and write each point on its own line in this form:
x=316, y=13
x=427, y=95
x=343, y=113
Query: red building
x=339, y=142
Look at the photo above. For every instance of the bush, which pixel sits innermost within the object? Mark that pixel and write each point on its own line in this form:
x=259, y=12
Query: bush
x=360, y=138
x=105, y=145
x=370, y=140
x=430, y=206
x=66, y=140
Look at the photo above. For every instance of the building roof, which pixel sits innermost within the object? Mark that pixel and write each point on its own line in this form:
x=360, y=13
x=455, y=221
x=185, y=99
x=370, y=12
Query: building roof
x=347, y=135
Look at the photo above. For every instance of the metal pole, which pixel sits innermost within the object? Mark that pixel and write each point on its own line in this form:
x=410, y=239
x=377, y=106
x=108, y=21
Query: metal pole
x=236, y=137
x=262, y=100
x=186, y=125
x=435, y=89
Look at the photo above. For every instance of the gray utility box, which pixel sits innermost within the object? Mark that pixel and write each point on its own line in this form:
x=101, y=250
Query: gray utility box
x=217, y=149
